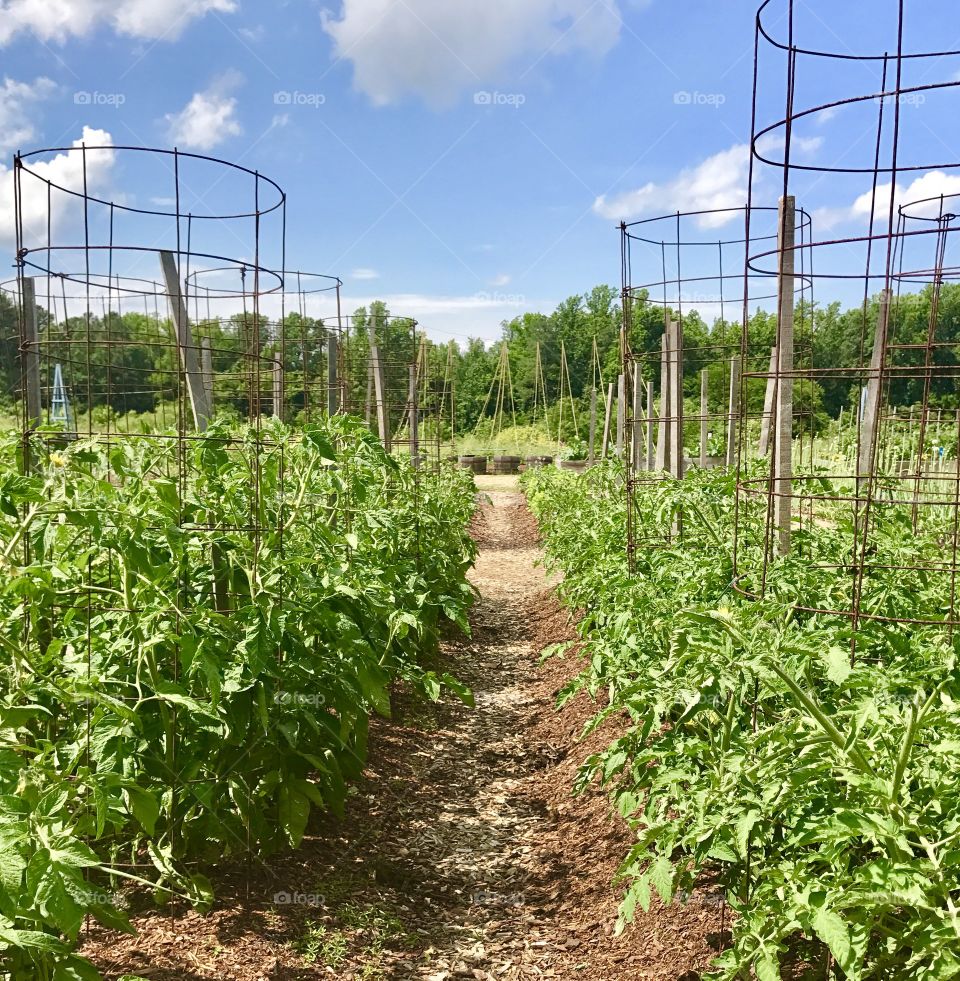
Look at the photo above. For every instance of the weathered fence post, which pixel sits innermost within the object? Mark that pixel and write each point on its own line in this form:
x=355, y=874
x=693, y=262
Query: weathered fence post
x=733, y=413
x=704, y=433
x=30, y=352
x=783, y=455
x=621, y=412
x=591, y=449
x=189, y=359
x=414, y=416
x=676, y=400
x=333, y=391
x=766, y=423
x=871, y=399
x=606, y=422
x=663, y=427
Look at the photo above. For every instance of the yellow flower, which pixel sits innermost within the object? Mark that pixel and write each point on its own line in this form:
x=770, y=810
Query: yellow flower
x=58, y=459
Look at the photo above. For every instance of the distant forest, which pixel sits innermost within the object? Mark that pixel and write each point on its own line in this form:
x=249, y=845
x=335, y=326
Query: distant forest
x=127, y=360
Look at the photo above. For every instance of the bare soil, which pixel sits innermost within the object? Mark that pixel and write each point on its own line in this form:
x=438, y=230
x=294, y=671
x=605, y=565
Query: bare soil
x=463, y=853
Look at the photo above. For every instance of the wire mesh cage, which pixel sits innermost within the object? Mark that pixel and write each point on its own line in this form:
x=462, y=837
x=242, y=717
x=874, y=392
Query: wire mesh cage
x=693, y=392
x=300, y=326
x=208, y=540
x=863, y=492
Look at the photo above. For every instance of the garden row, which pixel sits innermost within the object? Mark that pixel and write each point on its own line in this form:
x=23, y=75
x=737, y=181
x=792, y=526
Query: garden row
x=192, y=641
x=815, y=788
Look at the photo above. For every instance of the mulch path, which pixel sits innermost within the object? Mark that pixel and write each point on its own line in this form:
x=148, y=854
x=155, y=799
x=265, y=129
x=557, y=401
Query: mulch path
x=463, y=853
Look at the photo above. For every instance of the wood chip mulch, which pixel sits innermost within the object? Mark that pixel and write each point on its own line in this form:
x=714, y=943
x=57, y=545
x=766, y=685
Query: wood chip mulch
x=463, y=853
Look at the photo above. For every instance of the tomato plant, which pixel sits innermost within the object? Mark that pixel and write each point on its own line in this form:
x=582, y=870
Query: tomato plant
x=190, y=650
x=819, y=792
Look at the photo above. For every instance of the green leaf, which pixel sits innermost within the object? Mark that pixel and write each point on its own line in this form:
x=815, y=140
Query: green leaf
x=831, y=928
x=661, y=877
x=767, y=966
x=31, y=940
x=76, y=968
x=837, y=662
x=144, y=807
x=294, y=810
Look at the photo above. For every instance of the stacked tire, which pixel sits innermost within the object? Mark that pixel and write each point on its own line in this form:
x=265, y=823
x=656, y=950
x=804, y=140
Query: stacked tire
x=506, y=464
x=478, y=464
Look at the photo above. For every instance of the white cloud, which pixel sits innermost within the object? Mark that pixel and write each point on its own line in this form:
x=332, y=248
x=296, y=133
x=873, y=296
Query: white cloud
x=64, y=169
x=437, y=49
x=929, y=186
x=15, y=99
x=57, y=20
x=364, y=274
x=716, y=183
x=502, y=280
x=719, y=181
x=208, y=119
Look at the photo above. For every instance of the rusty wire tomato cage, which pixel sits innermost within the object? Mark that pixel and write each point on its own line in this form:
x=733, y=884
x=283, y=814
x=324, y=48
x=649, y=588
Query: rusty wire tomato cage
x=684, y=289
x=303, y=322
x=864, y=516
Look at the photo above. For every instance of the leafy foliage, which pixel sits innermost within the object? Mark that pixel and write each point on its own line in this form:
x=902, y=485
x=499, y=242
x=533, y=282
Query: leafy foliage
x=817, y=789
x=191, y=651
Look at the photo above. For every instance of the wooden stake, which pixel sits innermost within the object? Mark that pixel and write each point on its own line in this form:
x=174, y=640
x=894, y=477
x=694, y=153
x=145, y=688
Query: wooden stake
x=704, y=412
x=414, y=414
x=733, y=413
x=591, y=450
x=277, y=372
x=783, y=454
x=636, y=426
x=870, y=414
x=605, y=449
x=30, y=353
x=189, y=359
x=333, y=391
x=206, y=366
x=676, y=400
x=649, y=426
x=621, y=413
x=766, y=423
x=663, y=428
x=379, y=389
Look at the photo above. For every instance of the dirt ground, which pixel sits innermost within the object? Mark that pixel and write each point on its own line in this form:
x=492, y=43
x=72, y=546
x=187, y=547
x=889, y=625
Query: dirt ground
x=463, y=853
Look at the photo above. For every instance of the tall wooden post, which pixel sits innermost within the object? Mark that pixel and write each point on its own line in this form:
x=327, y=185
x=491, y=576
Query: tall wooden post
x=783, y=454
x=333, y=390
x=592, y=446
x=379, y=390
x=676, y=399
x=704, y=433
x=871, y=401
x=649, y=426
x=663, y=428
x=733, y=412
x=206, y=366
x=621, y=412
x=636, y=425
x=766, y=423
x=413, y=412
x=30, y=353
x=606, y=423
x=189, y=358
x=277, y=372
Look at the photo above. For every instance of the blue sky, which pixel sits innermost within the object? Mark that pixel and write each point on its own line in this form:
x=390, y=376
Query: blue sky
x=465, y=160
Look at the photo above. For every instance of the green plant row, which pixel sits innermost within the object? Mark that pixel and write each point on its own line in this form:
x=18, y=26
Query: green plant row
x=191, y=645
x=814, y=784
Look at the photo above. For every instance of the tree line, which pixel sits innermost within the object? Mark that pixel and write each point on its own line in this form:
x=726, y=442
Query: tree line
x=127, y=362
